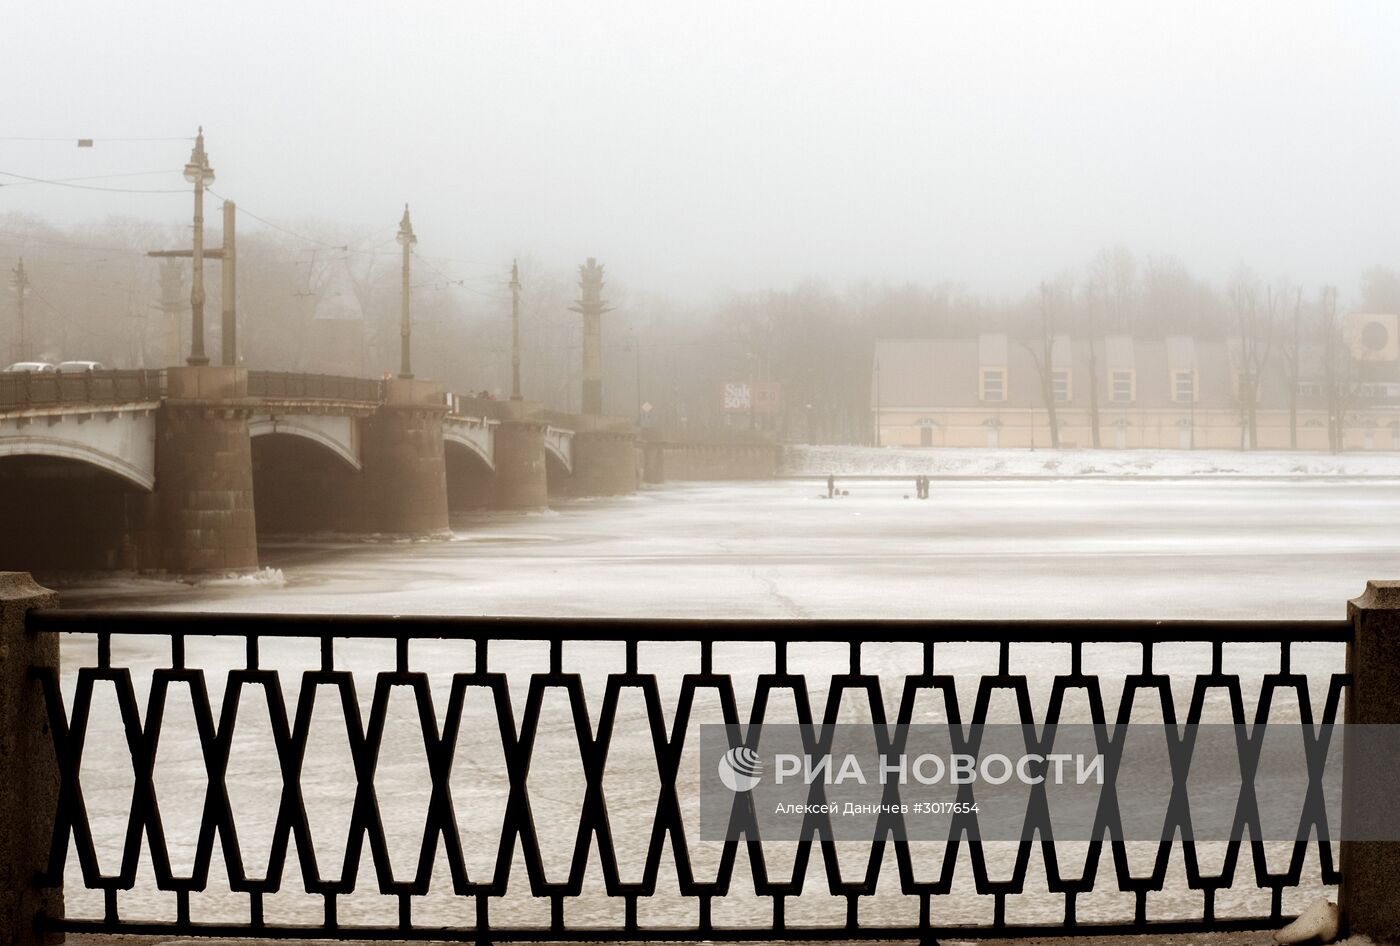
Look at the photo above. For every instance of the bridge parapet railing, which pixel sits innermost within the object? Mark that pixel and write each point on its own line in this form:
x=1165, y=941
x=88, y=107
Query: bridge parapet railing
x=298, y=386
x=581, y=423
x=466, y=405
x=528, y=736
x=708, y=435
x=24, y=389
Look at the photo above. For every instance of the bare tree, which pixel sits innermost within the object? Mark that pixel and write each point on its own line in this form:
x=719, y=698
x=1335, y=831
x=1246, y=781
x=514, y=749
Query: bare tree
x=1115, y=271
x=1292, y=367
x=1338, y=373
x=1091, y=332
x=1255, y=324
x=1113, y=277
x=1043, y=354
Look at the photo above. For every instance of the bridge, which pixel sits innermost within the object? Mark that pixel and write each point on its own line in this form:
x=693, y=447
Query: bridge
x=180, y=470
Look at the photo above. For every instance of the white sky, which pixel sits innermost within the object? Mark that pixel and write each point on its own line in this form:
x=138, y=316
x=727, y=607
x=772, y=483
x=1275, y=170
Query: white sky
x=709, y=146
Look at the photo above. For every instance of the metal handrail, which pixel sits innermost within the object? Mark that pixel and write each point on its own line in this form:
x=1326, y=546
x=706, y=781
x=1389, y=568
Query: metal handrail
x=300, y=386
x=25, y=389
x=667, y=729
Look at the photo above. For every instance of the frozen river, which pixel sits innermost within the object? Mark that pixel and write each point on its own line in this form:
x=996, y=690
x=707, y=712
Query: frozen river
x=983, y=548
x=989, y=548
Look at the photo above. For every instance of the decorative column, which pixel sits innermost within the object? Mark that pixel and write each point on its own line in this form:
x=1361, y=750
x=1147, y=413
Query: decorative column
x=590, y=305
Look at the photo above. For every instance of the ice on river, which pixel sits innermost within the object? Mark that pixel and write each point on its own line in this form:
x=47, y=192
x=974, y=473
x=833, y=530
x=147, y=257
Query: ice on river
x=1184, y=548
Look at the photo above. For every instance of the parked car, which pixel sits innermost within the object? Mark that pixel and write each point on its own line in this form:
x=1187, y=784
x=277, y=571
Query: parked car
x=39, y=367
x=67, y=366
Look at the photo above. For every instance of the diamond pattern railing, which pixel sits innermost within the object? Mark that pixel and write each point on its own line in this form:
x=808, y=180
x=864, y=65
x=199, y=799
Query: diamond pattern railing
x=667, y=728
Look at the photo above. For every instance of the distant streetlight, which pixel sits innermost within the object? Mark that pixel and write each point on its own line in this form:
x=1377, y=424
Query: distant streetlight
x=514, y=331
x=200, y=174
x=637, y=352
x=406, y=240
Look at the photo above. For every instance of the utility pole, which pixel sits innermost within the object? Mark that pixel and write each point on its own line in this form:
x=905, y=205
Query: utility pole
x=879, y=406
x=514, y=331
x=637, y=348
x=229, y=332
x=19, y=279
x=406, y=240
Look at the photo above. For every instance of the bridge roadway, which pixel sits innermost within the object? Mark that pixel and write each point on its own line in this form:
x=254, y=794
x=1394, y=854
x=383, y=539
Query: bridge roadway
x=186, y=450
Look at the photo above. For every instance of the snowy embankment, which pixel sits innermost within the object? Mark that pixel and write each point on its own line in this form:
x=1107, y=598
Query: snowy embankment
x=947, y=461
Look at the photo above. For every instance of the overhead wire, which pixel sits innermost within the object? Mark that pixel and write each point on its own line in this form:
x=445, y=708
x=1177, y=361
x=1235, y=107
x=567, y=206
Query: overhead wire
x=300, y=236
x=89, y=187
x=94, y=140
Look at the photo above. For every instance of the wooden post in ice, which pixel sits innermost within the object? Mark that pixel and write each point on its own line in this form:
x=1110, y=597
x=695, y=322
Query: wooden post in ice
x=28, y=769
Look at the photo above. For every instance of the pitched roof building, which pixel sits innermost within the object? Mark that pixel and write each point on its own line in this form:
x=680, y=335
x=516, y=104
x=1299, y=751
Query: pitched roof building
x=1176, y=392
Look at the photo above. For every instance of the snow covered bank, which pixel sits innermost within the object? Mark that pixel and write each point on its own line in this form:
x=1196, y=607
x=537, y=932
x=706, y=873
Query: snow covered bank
x=947, y=461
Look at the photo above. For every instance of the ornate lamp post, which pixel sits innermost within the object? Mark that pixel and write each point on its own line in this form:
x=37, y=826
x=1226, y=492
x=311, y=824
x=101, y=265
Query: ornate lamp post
x=406, y=240
x=200, y=174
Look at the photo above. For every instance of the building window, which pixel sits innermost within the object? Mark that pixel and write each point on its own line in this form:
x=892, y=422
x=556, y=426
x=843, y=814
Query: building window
x=1183, y=386
x=993, y=387
x=1120, y=386
x=1060, y=381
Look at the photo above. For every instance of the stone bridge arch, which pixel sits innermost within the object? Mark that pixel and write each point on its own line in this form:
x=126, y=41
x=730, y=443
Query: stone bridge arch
x=475, y=434
x=338, y=433
x=144, y=479
x=559, y=443
x=121, y=442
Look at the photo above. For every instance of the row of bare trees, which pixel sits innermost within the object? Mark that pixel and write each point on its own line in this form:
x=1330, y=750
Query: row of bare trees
x=1266, y=322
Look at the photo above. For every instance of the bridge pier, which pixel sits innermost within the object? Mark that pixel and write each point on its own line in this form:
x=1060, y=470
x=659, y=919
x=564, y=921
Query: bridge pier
x=605, y=462
x=520, y=465
x=204, y=472
x=405, y=467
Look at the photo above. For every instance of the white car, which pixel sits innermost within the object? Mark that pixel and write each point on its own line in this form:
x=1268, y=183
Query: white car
x=39, y=367
x=70, y=366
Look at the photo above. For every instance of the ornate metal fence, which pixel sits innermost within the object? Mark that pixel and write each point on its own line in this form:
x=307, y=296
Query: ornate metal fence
x=668, y=726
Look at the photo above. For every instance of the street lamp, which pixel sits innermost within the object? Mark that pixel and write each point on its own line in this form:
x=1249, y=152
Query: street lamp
x=200, y=174
x=406, y=240
x=514, y=331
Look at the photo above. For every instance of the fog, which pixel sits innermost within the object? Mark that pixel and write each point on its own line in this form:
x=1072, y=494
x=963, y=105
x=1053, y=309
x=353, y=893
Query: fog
x=702, y=150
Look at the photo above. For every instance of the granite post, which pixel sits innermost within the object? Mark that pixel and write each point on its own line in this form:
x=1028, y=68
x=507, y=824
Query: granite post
x=28, y=769
x=1370, y=893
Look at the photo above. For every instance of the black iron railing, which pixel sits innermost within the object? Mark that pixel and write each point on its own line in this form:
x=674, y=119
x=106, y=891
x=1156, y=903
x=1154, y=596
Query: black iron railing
x=163, y=641
x=294, y=386
x=23, y=389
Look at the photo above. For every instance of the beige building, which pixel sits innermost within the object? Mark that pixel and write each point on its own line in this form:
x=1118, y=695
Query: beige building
x=1159, y=393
